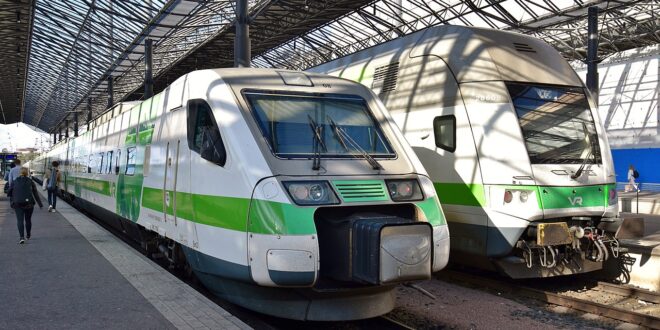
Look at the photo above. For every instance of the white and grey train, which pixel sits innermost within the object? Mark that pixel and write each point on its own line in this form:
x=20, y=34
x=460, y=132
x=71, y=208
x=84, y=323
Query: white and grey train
x=289, y=193
x=511, y=139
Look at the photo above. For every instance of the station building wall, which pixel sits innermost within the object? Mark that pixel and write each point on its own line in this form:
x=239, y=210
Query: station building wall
x=628, y=106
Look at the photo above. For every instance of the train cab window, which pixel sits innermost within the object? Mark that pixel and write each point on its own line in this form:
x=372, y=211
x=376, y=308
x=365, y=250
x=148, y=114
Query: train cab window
x=108, y=165
x=117, y=159
x=130, y=161
x=444, y=130
x=203, y=134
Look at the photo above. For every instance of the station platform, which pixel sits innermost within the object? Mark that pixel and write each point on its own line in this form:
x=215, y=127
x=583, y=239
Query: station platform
x=72, y=273
x=644, y=202
x=641, y=265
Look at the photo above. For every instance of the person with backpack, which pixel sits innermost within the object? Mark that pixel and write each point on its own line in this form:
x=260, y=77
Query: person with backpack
x=632, y=175
x=54, y=177
x=23, y=194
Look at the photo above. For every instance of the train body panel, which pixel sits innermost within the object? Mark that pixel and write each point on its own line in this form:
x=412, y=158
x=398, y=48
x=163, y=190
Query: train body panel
x=507, y=133
x=220, y=170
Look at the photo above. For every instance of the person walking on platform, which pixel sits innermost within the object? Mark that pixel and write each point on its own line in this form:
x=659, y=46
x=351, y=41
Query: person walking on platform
x=632, y=175
x=54, y=177
x=6, y=178
x=15, y=172
x=23, y=194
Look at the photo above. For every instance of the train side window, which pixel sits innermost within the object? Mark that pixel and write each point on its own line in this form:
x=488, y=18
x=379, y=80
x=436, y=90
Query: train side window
x=108, y=167
x=444, y=130
x=117, y=159
x=203, y=134
x=99, y=164
x=130, y=161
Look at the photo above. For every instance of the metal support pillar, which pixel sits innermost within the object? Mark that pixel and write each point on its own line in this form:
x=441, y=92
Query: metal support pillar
x=592, y=53
x=110, y=102
x=66, y=129
x=148, y=75
x=54, y=138
x=60, y=134
x=242, y=51
x=75, y=124
x=89, y=111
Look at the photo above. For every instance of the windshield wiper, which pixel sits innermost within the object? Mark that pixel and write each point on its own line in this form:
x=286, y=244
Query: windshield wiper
x=346, y=141
x=318, y=142
x=587, y=138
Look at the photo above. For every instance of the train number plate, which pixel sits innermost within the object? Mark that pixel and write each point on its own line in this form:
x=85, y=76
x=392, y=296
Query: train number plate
x=557, y=233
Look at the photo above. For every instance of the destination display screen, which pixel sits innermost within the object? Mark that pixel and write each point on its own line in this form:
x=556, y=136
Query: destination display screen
x=556, y=124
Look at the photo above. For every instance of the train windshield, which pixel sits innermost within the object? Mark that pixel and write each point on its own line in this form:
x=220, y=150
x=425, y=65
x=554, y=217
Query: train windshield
x=300, y=126
x=556, y=123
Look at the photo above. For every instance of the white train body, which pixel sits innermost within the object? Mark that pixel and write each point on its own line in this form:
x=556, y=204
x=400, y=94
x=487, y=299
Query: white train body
x=502, y=124
x=192, y=173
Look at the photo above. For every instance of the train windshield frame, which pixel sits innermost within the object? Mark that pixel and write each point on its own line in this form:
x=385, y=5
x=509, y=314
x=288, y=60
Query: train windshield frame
x=288, y=121
x=557, y=124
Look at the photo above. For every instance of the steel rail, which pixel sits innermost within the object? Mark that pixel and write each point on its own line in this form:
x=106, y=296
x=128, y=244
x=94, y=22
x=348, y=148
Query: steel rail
x=588, y=306
x=624, y=290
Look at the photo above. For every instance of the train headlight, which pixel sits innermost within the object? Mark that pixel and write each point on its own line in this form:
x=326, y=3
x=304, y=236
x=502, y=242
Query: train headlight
x=613, y=198
x=311, y=192
x=404, y=190
x=508, y=196
x=524, y=196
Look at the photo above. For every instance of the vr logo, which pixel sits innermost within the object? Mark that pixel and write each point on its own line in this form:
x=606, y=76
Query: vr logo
x=577, y=200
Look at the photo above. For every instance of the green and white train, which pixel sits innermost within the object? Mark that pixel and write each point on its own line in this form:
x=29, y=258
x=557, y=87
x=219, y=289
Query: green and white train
x=511, y=139
x=289, y=193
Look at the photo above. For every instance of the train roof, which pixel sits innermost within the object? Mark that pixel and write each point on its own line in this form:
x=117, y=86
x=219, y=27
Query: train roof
x=478, y=54
x=265, y=77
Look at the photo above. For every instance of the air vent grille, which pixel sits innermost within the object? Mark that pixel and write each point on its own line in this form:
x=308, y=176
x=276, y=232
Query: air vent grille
x=385, y=78
x=361, y=190
x=523, y=47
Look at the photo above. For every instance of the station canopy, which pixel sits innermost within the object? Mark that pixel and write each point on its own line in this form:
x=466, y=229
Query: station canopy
x=76, y=47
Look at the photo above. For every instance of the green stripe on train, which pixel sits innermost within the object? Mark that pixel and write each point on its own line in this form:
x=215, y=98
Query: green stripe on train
x=550, y=197
x=265, y=217
x=461, y=194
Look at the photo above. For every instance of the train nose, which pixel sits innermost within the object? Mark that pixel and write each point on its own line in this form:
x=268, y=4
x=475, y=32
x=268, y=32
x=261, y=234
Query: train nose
x=376, y=250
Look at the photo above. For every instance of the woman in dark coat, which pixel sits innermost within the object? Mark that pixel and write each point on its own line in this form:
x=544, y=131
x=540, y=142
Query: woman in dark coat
x=23, y=194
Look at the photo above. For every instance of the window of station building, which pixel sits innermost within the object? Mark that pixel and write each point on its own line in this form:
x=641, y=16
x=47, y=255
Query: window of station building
x=203, y=134
x=444, y=130
x=130, y=161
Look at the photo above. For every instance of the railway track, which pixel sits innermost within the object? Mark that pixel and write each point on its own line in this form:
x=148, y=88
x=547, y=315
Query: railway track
x=584, y=305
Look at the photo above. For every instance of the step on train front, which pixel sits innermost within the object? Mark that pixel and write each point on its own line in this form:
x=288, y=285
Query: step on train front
x=289, y=193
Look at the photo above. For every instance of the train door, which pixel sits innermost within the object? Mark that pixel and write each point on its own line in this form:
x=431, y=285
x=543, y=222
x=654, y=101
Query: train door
x=170, y=181
x=174, y=120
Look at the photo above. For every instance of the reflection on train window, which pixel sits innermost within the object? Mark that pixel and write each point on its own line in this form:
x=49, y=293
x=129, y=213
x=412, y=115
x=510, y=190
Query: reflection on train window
x=99, y=164
x=117, y=158
x=90, y=163
x=299, y=125
x=203, y=133
x=130, y=161
x=444, y=130
x=556, y=123
x=108, y=167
